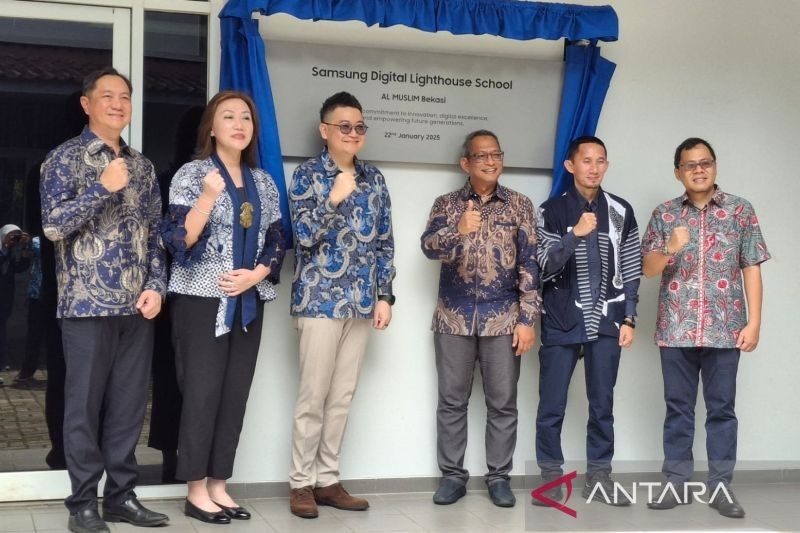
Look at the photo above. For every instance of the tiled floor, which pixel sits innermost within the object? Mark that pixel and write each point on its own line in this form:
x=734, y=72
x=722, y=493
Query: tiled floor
x=771, y=507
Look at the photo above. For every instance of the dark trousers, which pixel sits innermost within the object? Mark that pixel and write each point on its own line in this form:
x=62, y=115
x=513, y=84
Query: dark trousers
x=108, y=366
x=601, y=362
x=682, y=368
x=456, y=356
x=165, y=412
x=214, y=374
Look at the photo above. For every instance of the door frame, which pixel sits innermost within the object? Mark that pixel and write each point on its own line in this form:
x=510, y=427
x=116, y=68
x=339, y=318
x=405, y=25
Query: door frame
x=127, y=20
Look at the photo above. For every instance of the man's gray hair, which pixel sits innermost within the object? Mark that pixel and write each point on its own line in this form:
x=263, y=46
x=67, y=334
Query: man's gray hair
x=477, y=133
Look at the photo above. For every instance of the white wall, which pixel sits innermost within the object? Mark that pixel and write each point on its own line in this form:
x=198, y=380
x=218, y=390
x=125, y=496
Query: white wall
x=725, y=70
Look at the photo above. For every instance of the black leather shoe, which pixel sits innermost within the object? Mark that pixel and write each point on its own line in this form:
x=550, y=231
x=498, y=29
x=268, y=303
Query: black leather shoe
x=449, y=492
x=236, y=513
x=666, y=500
x=192, y=511
x=87, y=521
x=501, y=495
x=729, y=508
x=134, y=513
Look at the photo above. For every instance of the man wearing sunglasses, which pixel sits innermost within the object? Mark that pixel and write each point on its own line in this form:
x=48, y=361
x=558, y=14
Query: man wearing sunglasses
x=590, y=262
x=707, y=246
x=484, y=234
x=344, y=253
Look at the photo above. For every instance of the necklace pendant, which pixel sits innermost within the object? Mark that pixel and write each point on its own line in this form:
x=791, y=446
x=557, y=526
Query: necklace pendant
x=246, y=215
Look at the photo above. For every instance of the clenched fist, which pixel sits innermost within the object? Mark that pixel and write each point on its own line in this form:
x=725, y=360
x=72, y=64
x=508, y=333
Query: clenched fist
x=586, y=224
x=470, y=220
x=213, y=184
x=678, y=239
x=115, y=176
x=343, y=186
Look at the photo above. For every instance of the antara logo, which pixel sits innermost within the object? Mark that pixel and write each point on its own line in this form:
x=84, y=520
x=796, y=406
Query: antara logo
x=538, y=493
x=656, y=492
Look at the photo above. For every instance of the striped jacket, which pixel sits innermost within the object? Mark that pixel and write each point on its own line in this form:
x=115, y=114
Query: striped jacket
x=569, y=314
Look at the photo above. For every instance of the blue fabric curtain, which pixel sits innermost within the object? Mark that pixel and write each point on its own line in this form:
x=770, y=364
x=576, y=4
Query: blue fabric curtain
x=507, y=18
x=586, y=80
x=244, y=66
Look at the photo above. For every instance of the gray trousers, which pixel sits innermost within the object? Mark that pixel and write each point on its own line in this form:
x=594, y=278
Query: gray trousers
x=456, y=357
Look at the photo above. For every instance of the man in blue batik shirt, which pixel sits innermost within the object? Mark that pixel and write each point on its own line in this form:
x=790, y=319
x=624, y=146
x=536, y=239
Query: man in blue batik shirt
x=344, y=253
x=102, y=207
x=484, y=234
x=590, y=265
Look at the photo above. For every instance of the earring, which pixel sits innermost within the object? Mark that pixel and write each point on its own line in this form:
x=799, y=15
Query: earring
x=212, y=133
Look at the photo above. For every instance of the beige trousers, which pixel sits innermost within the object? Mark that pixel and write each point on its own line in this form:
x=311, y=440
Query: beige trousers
x=331, y=353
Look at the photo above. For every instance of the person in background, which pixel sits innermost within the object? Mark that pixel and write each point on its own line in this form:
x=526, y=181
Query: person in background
x=15, y=258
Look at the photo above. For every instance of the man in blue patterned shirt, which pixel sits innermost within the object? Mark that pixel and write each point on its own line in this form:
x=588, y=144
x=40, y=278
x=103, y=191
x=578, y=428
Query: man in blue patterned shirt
x=484, y=234
x=344, y=253
x=102, y=207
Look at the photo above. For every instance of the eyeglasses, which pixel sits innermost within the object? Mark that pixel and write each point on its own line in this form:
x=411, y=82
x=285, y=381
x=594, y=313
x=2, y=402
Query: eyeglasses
x=346, y=128
x=483, y=157
x=689, y=166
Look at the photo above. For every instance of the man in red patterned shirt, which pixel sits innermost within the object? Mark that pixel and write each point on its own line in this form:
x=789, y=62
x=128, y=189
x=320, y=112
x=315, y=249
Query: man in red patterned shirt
x=708, y=248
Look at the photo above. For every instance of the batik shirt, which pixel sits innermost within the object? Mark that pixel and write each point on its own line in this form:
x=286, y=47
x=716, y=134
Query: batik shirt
x=344, y=255
x=701, y=300
x=108, y=246
x=489, y=280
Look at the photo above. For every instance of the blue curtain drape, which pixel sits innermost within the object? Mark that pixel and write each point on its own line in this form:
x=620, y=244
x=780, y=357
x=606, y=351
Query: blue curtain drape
x=507, y=18
x=587, y=77
x=243, y=68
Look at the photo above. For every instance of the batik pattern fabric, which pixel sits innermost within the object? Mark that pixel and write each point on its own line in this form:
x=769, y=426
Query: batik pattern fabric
x=701, y=299
x=489, y=279
x=344, y=254
x=108, y=245
x=196, y=270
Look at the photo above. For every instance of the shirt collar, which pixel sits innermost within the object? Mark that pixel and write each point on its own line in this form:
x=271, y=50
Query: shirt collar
x=467, y=192
x=719, y=198
x=580, y=201
x=332, y=168
x=95, y=144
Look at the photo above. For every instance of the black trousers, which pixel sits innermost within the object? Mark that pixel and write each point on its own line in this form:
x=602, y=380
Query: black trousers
x=108, y=366
x=214, y=374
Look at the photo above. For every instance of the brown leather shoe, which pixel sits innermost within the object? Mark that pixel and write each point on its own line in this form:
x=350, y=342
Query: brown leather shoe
x=302, y=502
x=335, y=496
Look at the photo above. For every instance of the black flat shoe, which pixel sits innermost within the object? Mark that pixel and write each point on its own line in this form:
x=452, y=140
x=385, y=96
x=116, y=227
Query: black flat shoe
x=236, y=513
x=192, y=511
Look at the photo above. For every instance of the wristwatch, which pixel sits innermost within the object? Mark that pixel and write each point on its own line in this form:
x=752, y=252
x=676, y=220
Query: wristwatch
x=629, y=321
x=665, y=251
x=388, y=298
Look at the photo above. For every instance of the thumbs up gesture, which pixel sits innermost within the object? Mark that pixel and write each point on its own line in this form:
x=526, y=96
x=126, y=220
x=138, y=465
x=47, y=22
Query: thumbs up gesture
x=470, y=220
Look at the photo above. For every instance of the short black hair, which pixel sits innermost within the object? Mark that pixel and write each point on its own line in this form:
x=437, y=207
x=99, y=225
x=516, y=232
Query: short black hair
x=467, y=144
x=688, y=144
x=342, y=99
x=575, y=145
x=90, y=81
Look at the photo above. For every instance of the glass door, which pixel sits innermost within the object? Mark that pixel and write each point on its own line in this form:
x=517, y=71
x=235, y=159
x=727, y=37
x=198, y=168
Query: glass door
x=45, y=51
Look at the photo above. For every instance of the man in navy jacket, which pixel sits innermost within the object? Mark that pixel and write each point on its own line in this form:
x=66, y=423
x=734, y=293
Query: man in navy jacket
x=590, y=268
